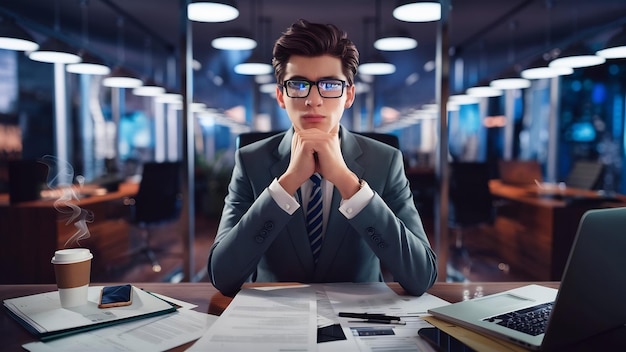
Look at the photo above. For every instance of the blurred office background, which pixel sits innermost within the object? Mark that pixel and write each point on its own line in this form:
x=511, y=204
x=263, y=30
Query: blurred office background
x=562, y=114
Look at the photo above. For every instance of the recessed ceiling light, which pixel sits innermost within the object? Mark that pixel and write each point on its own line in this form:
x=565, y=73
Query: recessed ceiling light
x=212, y=11
x=483, y=92
x=420, y=11
x=395, y=43
x=234, y=43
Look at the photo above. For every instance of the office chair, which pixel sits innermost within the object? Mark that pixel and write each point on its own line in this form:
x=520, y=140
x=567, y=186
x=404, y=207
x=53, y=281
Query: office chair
x=27, y=178
x=470, y=204
x=158, y=201
x=250, y=137
x=584, y=175
x=389, y=139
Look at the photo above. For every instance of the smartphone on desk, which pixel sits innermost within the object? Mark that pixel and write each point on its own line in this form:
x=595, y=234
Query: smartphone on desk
x=116, y=296
x=443, y=342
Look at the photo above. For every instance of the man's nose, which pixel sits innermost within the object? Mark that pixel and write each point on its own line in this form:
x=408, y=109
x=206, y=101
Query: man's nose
x=315, y=97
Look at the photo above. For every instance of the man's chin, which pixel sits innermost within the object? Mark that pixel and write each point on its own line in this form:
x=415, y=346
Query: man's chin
x=319, y=125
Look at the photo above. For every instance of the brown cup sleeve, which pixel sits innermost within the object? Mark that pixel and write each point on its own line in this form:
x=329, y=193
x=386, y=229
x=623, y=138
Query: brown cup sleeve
x=72, y=275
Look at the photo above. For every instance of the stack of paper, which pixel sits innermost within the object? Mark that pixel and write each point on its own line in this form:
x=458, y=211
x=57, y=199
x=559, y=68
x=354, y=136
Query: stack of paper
x=43, y=315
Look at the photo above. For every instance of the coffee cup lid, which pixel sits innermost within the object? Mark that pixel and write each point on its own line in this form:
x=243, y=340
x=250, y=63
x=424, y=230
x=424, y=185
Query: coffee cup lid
x=71, y=255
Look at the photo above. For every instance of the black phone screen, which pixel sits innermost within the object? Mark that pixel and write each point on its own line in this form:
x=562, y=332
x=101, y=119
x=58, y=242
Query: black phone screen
x=442, y=341
x=115, y=296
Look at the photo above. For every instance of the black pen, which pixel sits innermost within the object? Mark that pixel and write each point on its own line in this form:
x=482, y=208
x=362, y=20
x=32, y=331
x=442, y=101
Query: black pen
x=378, y=321
x=368, y=316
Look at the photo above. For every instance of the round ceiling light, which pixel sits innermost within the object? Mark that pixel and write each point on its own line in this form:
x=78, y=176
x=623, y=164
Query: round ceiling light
x=395, y=43
x=233, y=43
x=422, y=11
x=216, y=11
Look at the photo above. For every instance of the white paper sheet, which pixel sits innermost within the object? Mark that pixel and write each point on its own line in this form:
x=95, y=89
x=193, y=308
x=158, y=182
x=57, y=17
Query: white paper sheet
x=377, y=297
x=269, y=319
x=153, y=334
x=44, y=312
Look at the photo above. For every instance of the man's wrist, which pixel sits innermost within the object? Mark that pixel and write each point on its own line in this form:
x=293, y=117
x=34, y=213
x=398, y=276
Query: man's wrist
x=287, y=183
x=284, y=200
x=353, y=206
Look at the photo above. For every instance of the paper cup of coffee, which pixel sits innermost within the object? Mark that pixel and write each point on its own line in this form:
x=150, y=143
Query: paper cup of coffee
x=72, y=269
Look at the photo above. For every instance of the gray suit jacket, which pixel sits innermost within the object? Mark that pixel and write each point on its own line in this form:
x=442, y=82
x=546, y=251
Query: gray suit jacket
x=258, y=241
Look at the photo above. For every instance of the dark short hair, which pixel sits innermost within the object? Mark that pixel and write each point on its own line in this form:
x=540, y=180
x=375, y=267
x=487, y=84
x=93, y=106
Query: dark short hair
x=314, y=39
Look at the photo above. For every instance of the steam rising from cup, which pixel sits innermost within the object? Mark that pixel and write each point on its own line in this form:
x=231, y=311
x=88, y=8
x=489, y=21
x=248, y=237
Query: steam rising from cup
x=60, y=177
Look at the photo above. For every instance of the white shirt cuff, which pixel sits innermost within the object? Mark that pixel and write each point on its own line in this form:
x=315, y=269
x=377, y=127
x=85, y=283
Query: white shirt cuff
x=285, y=201
x=351, y=207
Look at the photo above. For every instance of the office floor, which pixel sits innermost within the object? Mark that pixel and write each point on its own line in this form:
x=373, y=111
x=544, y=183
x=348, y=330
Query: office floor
x=472, y=263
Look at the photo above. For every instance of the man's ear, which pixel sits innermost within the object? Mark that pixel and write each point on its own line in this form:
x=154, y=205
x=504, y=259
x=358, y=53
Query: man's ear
x=350, y=95
x=279, y=97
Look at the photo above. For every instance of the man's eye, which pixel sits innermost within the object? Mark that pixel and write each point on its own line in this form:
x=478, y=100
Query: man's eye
x=330, y=85
x=299, y=85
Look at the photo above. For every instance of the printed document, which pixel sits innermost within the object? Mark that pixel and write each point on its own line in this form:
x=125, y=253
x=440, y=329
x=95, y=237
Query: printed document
x=377, y=297
x=265, y=319
x=152, y=334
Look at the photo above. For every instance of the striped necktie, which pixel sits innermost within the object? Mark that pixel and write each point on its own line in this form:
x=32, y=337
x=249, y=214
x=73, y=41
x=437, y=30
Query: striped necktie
x=314, y=216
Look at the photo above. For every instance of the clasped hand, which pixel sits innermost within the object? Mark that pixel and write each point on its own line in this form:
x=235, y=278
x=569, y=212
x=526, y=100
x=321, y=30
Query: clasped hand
x=313, y=150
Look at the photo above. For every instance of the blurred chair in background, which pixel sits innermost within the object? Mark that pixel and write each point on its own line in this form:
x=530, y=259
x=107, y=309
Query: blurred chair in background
x=158, y=201
x=520, y=172
x=27, y=178
x=584, y=175
x=470, y=208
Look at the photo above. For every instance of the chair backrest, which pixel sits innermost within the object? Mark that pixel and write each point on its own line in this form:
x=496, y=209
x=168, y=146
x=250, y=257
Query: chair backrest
x=471, y=202
x=26, y=180
x=389, y=139
x=520, y=172
x=584, y=175
x=249, y=137
x=159, y=198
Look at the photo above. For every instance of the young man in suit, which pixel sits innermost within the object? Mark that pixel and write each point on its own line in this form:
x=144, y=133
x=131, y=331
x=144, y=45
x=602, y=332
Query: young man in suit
x=368, y=217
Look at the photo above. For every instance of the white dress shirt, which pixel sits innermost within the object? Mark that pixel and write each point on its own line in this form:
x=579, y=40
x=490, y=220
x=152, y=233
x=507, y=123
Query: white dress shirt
x=349, y=207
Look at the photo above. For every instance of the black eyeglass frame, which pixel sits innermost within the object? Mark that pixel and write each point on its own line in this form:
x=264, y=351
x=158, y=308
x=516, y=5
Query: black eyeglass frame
x=344, y=84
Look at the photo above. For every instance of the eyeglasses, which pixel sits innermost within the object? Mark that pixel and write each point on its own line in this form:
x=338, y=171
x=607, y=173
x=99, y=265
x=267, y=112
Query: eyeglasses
x=328, y=88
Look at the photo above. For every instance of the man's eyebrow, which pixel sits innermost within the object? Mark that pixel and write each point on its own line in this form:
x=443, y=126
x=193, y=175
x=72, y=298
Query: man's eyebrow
x=297, y=77
x=305, y=78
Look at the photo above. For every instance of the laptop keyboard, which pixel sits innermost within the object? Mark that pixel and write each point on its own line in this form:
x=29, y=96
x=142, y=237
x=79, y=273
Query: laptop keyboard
x=531, y=320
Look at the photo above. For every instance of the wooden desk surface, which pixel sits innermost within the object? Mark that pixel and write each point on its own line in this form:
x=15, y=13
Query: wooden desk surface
x=534, y=229
x=31, y=231
x=126, y=189
x=209, y=300
x=550, y=197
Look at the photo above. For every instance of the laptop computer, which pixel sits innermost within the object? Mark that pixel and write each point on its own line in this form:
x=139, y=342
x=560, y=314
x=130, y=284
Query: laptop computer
x=591, y=299
x=520, y=172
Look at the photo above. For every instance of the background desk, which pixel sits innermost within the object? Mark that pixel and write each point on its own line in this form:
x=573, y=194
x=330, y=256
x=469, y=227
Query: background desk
x=534, y=232
x=209, y=300
x=30, y=232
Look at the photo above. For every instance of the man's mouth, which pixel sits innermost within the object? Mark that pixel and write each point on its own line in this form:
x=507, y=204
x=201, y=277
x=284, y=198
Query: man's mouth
x=313, y=118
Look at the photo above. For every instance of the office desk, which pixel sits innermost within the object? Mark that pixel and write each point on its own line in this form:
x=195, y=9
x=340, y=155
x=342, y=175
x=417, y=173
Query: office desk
x=209, y=300
x=535, y=229
x=30, y=232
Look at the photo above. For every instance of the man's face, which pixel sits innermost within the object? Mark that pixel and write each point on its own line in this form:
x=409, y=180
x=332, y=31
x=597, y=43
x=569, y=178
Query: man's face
x=315, y=111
